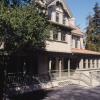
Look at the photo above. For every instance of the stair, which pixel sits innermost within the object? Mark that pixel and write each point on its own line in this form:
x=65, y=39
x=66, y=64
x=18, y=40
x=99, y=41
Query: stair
x=65, y=83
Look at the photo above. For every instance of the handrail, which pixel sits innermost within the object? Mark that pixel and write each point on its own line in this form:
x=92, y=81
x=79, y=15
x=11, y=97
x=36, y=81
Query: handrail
x=48, y=77
x=75, y=75
x=97, y=77
x=82, y=77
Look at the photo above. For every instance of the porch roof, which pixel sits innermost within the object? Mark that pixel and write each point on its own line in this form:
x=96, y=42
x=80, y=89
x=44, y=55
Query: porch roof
x=84, y=51
x=70, y=26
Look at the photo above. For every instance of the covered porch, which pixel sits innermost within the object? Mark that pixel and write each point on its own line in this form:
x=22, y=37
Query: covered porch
x=62, y=66
x=81, y=67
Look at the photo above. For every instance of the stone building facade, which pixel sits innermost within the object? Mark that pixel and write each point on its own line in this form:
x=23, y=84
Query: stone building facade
x=65, y=55
x=63, y=61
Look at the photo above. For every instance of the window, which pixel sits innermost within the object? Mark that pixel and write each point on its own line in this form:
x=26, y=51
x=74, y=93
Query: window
x=49, y=13
x=55, y=35
x=49, y=16
x=76, y=43
x=57, y=17
x=64, y=19
x=63, y=36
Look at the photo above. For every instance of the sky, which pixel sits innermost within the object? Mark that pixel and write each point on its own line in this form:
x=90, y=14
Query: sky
x=81, y=9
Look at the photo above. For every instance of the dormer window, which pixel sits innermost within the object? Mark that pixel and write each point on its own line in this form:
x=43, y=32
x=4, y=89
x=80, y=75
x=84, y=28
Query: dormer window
x=57, y=17
x=76, y=41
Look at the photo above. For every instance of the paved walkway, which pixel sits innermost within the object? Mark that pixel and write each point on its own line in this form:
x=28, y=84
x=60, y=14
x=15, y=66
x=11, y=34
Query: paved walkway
x=74, y=92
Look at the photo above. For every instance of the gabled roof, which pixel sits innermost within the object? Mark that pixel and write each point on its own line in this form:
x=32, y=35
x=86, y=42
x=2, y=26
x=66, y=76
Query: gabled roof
x=65, y=6
x=77, y=31
x=83, y=51
x=49, y=1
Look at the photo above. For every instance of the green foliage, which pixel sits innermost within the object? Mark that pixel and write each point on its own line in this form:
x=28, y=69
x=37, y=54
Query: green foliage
x=21, y=26
x=93, y=31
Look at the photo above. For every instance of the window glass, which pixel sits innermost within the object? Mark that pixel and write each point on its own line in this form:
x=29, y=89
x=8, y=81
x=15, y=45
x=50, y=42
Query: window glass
x=75, y=41
x=64, y=19
x=63, y=36
x=57, y=17
x=55, y=35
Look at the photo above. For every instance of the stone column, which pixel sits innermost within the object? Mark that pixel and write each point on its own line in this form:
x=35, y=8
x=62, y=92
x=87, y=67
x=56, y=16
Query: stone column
x=98, y=63
x=81, y=64
x=60, y=65
x=69, y=68
x=95, y=63
x=91, y=64
x=86, y=62
x=50, y=61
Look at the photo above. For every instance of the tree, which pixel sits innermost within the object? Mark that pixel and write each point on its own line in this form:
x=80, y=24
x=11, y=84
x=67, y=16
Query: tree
x=21, y=26
x=15, y=2
x=93, y=30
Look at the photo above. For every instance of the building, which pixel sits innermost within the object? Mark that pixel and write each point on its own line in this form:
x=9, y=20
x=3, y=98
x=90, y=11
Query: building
x=64, y=59
x=65, y=56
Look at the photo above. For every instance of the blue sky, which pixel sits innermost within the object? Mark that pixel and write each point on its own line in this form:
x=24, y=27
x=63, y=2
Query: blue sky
x=81, y=9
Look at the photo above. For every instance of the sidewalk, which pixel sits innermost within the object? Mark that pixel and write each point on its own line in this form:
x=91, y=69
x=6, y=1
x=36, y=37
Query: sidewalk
x=74, y=92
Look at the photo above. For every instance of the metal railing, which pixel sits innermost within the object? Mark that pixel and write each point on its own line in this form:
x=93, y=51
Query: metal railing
x=56, y=74
x=95, y=76
x=64, y=74
x=20, y=79
x=81, y=77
